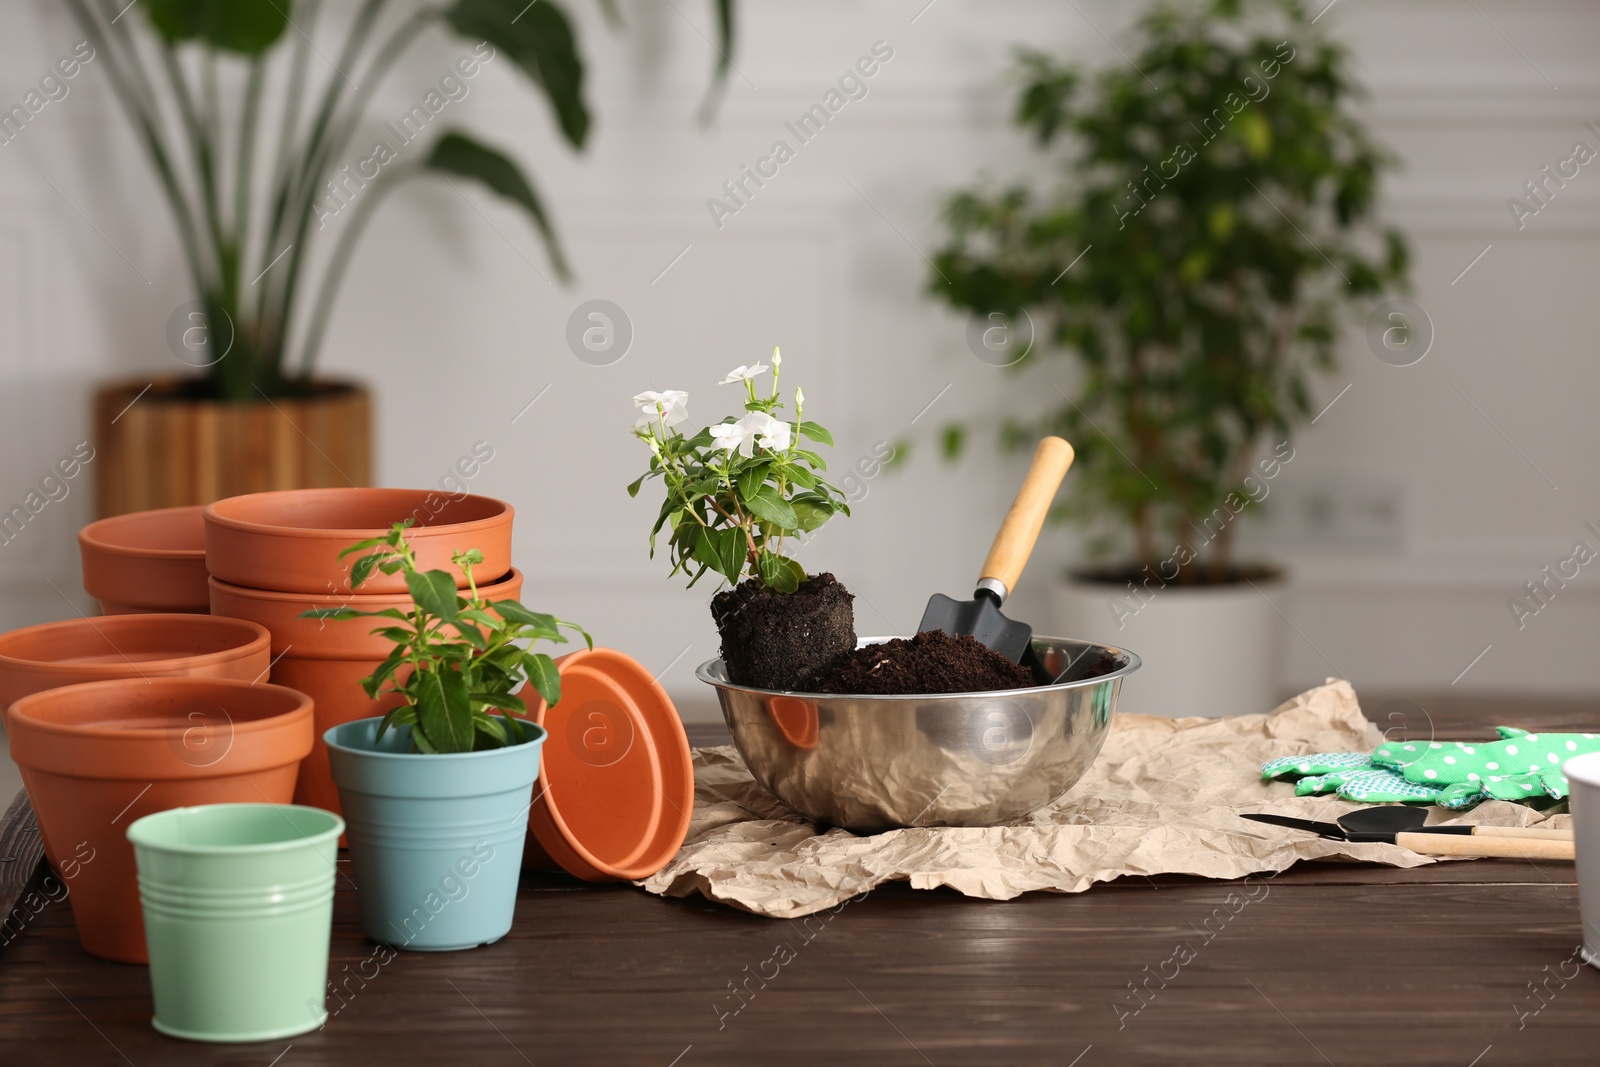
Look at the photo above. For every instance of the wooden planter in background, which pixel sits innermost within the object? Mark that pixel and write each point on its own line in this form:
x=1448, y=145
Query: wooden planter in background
x=169, y=449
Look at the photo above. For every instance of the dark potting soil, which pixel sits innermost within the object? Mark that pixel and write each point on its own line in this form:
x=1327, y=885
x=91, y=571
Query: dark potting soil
x=931, y=662
x=779, y=640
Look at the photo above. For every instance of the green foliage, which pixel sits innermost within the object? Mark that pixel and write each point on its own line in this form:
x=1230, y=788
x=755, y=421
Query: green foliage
x=455, y=657
x=248, y=231
x=737, y=489
x=247, y=27
x=455, y=153
x=539, y=39
x=1221, y=210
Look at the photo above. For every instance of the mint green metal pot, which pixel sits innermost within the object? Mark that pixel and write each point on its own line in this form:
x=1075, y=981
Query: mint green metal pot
x=238, y=914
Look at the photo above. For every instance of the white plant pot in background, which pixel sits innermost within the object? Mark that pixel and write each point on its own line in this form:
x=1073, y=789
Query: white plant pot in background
x=1207, y=650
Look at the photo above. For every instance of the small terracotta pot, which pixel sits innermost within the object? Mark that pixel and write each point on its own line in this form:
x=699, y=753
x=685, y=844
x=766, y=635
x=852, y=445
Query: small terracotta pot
x=98, y=756
x=617, y=782
x=130, y=646
x=290, y=541
x=327, y=659
x=147, y=561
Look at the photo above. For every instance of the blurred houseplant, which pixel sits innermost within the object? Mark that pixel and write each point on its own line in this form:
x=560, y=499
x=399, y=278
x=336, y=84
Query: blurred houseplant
x=1214, y=223
x=193, y=78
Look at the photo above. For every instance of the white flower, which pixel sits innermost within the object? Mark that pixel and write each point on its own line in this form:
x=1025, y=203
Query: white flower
x=668, y=408
x=744, y=374
x=756, y=428
x=777, y=358
x=731, y=436
x=774, y=434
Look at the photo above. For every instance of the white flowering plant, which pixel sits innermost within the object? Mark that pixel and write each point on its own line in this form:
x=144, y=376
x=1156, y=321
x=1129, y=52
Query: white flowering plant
x=735, y=490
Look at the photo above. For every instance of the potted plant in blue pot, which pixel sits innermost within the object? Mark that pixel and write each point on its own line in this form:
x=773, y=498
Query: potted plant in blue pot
x=436, y=793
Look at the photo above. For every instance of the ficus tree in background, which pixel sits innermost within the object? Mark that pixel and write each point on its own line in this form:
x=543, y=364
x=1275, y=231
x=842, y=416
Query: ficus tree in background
x=245, y=220
x=1213, y=226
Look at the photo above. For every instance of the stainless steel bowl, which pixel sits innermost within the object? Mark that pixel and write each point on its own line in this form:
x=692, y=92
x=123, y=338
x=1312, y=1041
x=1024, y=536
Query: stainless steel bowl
x=871, y=763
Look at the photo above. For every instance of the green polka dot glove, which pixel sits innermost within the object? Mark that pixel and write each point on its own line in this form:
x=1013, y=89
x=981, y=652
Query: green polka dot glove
x=1453, y=774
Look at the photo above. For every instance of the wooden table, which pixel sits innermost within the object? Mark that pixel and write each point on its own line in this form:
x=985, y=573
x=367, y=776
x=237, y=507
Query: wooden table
x=1465, y=963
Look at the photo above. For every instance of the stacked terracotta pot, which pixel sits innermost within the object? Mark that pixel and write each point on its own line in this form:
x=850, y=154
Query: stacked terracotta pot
x=147, y=561
x=116, y=718
x=273, y=556
x=616, y=782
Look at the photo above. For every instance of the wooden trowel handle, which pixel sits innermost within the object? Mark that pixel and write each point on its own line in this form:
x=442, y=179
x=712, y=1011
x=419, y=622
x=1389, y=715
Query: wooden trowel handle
x=1479, y=847
x=1014, y=543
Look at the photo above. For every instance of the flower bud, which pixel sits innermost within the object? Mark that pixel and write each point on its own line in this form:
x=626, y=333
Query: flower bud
x=777, y=357
x=799, y=398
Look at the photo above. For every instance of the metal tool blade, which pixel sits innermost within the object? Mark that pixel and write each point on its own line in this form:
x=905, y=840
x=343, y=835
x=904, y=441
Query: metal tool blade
x=981, y=617
x=1329, y=830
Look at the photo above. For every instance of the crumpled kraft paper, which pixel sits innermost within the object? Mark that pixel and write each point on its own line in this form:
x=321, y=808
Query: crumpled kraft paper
x=1163, y=797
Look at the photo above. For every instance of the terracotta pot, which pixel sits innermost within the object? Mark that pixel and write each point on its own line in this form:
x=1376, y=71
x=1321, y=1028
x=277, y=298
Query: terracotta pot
x=147, y=561
x=96, y=757
x=130, y=646
x=290, y=542
x=617, y=781
x=159, y=445
x=327, y=659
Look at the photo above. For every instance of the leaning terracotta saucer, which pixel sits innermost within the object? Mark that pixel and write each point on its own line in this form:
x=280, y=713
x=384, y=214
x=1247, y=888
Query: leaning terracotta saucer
x=616, y=780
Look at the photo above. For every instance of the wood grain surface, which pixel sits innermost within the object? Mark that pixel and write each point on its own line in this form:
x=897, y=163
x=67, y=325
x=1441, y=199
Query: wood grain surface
x=1461, y=963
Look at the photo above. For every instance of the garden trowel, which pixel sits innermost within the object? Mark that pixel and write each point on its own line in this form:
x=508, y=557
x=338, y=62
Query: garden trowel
x=981, y=616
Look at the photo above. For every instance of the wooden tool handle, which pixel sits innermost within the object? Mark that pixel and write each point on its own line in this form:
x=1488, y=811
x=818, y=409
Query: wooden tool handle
x=1535, y=833
x=1481, y=846
x=1014, y=543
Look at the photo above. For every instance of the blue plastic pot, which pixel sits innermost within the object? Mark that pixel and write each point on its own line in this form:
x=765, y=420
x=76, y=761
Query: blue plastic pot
x=435, y=840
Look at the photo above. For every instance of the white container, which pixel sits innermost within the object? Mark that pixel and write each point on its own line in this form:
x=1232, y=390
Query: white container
x=1207, y=650
x=1583, y=778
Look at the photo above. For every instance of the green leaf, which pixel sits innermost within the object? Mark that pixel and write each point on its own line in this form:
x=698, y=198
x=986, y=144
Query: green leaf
x=459, y=154
x=482, y=618
x=768, y=506
x=816, y=433
x=334, y=613
x=799, y=476
x=543, y=676
x=374, y=681
x=473, y=635
x=751, y=478
x=362, y=568
x=539, y=39
x=503, y=701
x=248, y=27
x=809, y=515
x=633, y=486
x=361, y=546
x=491, y=728
x=724, y=551
x=952, y=441
x=434, y=592
x=724, y=62
x=511, y=611
x=404, y=715
x=781, y=573
x=444, y=709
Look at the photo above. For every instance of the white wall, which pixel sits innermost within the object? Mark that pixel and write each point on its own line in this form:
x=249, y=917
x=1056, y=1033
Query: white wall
x=445, y=314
